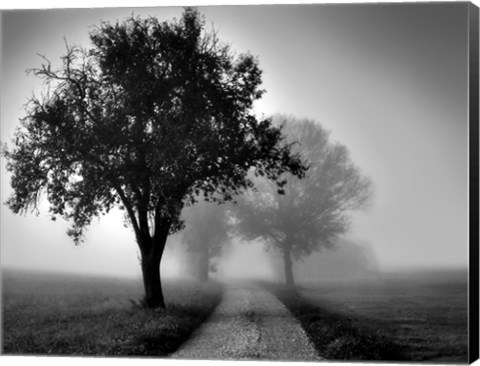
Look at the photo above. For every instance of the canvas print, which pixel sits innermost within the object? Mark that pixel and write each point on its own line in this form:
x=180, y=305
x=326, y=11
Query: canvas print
x=256, y=182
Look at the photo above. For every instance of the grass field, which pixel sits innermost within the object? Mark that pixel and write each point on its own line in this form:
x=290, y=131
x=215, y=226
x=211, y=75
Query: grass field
x=68, y=315
x=416, y=317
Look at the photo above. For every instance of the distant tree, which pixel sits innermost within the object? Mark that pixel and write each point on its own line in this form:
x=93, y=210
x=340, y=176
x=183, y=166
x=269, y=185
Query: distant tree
x=206, y=232
x=154, y=114
x=313, y=211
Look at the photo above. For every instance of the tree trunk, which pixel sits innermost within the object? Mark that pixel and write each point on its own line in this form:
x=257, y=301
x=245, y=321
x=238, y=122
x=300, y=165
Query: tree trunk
x=287, y=260
x=152, y=249
x=151, y=280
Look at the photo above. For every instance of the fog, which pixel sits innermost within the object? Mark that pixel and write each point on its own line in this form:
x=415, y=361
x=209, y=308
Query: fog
x=347, y=262
x=388, y=81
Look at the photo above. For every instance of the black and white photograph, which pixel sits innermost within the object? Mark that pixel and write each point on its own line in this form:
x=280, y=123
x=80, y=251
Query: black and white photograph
x=248, y=182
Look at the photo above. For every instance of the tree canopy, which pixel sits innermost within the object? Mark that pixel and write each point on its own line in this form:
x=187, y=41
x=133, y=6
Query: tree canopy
x=151, y=116
x=314, y=211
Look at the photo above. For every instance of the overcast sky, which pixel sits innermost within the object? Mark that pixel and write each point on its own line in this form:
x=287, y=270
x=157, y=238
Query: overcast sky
x=389, y=81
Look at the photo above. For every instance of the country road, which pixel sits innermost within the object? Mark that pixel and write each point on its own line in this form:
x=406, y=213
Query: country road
x=249, y=323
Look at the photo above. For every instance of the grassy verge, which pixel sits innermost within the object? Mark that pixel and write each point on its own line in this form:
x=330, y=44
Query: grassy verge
x=336, y=336
x=424, y=313
x=70, y=316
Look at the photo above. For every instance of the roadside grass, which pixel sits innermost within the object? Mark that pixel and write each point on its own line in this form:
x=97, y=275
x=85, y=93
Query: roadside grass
x=67, y=315
x=334, y=335
x=419, y=317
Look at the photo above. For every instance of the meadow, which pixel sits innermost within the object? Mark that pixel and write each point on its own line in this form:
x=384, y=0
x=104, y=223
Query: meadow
x=61, y=314
x=420, y=316
x=395, y=317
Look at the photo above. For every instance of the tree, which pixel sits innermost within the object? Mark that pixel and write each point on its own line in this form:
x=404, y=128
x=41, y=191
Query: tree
x=314, y=210
x=206, y=231
x=154, y=114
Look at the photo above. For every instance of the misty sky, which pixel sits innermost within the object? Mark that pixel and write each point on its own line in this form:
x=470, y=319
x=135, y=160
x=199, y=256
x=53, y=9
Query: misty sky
x=390, y=82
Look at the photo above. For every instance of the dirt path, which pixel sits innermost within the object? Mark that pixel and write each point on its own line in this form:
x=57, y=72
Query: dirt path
x=249, y=323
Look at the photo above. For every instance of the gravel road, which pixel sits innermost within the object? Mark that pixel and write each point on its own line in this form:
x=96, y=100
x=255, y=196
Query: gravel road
x=249, y=323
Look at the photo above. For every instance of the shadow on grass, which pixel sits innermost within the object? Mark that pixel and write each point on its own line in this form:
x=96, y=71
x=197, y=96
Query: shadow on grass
x=334, y=335
x=71, y=324
x=179, y=321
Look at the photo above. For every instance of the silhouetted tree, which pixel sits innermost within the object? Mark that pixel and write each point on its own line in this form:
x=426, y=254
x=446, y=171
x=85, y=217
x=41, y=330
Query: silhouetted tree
x=154, y=114
x=314, y=210
x=206, y=231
